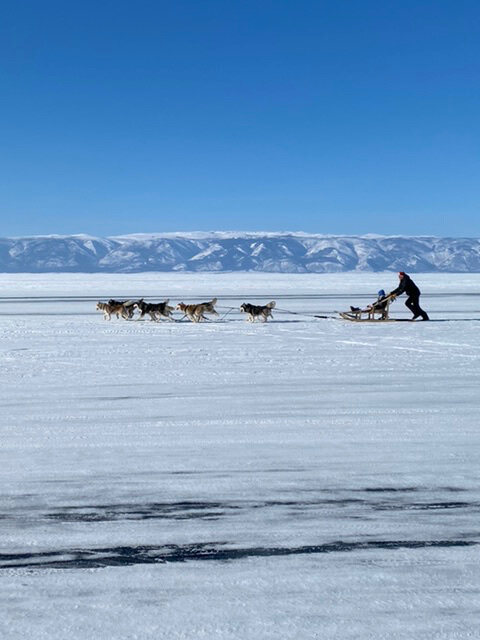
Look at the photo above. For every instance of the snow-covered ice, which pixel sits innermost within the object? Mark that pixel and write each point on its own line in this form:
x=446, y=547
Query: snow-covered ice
x=304, y=478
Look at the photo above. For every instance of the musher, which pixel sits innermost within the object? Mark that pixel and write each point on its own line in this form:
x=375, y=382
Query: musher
x=408, y=286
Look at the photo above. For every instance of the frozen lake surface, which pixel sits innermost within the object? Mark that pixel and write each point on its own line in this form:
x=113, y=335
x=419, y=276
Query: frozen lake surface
x=306, y=478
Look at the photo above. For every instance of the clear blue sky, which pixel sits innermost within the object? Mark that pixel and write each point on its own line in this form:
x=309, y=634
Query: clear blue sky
x=328, y=116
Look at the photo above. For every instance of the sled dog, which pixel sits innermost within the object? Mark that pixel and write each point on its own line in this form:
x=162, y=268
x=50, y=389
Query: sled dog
x=116, y=309
x=155, y=310
x=195, y=312
x=129, y=306
x=254, y=311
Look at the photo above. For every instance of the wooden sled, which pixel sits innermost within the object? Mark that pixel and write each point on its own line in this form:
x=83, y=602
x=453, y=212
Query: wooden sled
x=370, y=314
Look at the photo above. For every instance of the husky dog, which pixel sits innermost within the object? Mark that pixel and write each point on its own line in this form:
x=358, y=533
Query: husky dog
x=117, y=309
x=195, y=312
x=128, y=304
x=155, y=310
x=255, y=311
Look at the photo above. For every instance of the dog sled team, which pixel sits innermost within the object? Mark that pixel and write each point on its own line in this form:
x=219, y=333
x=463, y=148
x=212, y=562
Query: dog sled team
x=376, y=311
x=162, y=310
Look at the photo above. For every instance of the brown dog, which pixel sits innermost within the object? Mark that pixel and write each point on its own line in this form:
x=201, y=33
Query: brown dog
x=195, y=312
x=129, y=306
x=117, y=309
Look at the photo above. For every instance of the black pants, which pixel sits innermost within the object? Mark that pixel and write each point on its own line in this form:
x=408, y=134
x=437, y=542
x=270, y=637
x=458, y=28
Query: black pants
x=412, y=303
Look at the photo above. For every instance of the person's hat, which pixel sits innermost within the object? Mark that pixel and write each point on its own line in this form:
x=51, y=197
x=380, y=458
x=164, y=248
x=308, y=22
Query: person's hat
x=381, y=293
x=401, y=273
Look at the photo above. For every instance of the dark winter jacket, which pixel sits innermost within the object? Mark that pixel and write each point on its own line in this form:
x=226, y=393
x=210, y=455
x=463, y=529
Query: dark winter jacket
x=380, y=304
x=407, y=286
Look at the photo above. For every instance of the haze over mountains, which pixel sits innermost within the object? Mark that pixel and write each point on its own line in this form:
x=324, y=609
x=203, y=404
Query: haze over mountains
x=242, y=251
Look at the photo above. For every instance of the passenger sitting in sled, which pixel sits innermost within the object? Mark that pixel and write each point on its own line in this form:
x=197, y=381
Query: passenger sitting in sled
x=379, y=307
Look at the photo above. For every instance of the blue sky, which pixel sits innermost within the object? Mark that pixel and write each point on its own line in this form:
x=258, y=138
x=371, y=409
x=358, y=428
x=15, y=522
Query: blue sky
x=346, y=117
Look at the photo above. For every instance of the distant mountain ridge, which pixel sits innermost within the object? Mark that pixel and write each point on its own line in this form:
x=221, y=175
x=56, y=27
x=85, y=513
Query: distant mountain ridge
x=242, y=251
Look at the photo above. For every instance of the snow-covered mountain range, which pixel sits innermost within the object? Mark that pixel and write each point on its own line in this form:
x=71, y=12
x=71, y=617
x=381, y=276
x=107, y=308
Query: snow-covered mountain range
x=242, y=251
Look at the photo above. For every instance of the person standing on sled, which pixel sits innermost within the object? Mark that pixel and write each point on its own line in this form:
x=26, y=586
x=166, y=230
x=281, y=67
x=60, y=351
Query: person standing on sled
x=408, y=286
